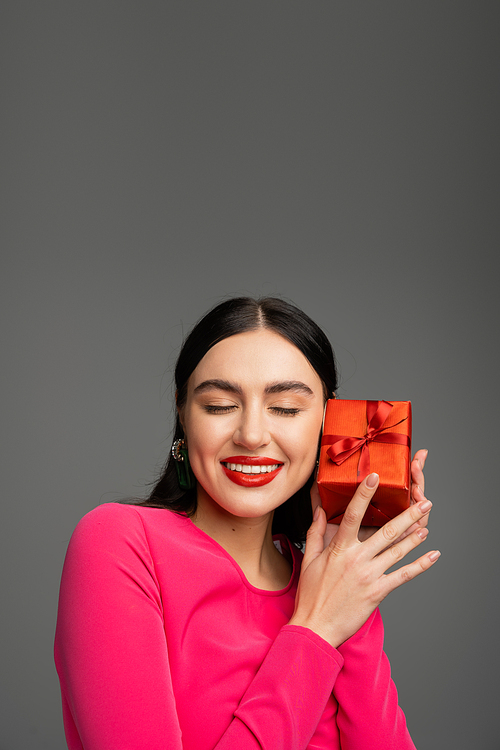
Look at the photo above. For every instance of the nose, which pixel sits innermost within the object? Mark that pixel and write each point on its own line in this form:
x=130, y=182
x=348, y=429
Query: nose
x=251, y=432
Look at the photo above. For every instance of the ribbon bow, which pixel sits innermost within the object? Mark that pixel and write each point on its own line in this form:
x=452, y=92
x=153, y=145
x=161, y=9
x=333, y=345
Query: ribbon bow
x=343, y=446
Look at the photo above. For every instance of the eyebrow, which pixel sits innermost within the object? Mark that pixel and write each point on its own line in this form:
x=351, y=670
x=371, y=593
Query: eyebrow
x=284, y=387
x=289, y=385
x=219, y=385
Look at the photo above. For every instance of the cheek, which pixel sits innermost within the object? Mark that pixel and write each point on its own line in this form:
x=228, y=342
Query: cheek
x=200, y=452
x=204, y=435
x=303, y=446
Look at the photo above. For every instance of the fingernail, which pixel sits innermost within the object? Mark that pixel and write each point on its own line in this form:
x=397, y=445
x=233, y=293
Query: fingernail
x=422, y=533
x=434, y=556
x=371, y=480
x=425, y=506
x=419, y=488
x=316, y=513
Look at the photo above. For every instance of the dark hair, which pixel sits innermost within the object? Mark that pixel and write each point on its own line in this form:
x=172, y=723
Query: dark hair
x=229, y=318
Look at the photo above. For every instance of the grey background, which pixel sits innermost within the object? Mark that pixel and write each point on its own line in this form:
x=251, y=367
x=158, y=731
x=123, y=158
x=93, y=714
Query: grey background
x=159, y=156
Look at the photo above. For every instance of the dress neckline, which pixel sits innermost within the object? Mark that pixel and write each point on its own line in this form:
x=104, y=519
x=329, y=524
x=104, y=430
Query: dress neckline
x=288, y=551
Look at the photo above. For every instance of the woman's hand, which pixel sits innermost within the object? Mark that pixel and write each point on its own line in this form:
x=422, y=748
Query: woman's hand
x=417, y=489
x=341, y=584
x=416, y=495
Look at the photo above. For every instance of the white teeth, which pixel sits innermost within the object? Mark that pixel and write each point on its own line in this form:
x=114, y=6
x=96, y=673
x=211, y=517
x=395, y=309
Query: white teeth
x=251, y=468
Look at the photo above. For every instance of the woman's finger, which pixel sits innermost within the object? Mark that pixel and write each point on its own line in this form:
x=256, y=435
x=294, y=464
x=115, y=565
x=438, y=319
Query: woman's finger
x=420, y=498
x=392, y=581
x=347, y=534
x=315, y=496
x=397, y=527
x=417, y=471
x=397, y=552
x=421, y=523
x=315, y=537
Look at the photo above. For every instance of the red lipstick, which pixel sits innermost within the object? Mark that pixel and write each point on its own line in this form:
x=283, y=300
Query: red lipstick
x=251, y=480
x=251, y=460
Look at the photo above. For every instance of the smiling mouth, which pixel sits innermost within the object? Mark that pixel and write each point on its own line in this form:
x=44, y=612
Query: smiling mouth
x=251, y=468
x=251, y=471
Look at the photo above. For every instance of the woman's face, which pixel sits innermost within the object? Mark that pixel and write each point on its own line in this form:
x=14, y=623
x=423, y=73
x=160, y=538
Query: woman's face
x=252, y=420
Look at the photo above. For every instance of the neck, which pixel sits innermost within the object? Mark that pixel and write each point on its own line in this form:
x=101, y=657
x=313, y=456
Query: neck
x=249, y=541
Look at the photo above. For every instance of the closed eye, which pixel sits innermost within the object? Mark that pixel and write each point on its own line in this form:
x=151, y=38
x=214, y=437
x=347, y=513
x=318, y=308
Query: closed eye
x=213, y=409
x=281, y=410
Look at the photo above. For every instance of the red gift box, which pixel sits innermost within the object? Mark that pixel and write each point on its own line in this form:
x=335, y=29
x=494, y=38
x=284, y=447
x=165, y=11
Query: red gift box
x=360, y=437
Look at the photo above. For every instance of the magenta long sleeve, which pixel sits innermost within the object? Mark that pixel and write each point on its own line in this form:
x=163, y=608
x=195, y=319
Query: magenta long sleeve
x=161, y=642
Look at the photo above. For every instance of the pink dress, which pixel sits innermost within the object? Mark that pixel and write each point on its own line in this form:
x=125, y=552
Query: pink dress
x=162, y=643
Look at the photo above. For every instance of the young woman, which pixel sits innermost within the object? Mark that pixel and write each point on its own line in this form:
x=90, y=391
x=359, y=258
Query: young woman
x=192, y=621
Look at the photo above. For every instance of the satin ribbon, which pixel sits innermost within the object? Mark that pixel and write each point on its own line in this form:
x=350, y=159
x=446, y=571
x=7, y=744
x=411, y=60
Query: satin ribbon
x=343, y=446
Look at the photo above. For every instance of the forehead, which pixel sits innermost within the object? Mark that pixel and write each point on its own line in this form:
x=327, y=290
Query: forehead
x=256, y=357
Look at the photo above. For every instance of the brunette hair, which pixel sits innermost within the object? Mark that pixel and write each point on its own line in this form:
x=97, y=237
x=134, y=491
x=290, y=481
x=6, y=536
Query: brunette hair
x=229, y=318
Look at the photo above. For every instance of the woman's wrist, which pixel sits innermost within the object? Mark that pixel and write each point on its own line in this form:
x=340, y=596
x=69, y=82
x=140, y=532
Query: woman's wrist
x=328, y=634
